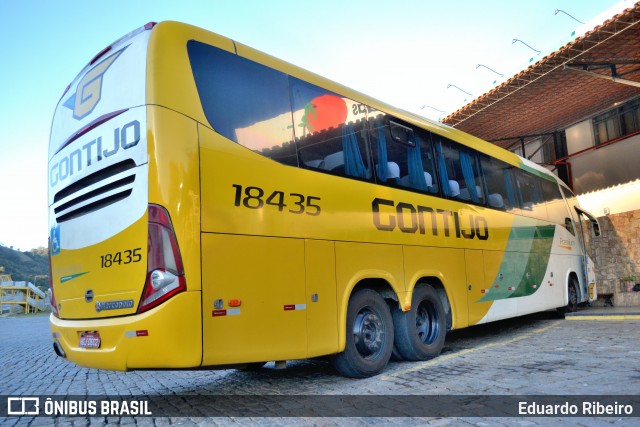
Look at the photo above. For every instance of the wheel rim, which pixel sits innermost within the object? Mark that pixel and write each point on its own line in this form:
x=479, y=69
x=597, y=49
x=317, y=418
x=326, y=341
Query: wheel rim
x=368, y=332
x=427, y=324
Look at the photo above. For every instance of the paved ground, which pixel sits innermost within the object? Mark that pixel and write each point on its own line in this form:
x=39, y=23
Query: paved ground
x=534, y=355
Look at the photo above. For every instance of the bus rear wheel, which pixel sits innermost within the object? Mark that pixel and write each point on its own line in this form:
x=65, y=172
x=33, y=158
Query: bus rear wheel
x=420, y=332
x=369, y=340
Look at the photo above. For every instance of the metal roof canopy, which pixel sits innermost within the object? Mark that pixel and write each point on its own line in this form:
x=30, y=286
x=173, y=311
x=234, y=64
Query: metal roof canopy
x=584, y=77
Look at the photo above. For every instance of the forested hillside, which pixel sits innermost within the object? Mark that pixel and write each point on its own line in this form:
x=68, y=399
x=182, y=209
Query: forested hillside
x=25, y=266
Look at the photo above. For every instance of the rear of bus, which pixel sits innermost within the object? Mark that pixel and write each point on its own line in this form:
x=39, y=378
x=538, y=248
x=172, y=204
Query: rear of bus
x=124, y=228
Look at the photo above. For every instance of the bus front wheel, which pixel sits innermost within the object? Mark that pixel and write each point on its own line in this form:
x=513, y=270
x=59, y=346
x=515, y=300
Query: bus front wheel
x=369, y=340
x=572, y=306
x=420, y=332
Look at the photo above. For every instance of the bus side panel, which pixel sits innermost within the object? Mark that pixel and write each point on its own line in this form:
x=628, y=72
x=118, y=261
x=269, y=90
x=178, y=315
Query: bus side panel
x=476, y=285
x=322, y=313
x=501, y=279
x=253, y=297
x=358, y=261
x=551, y=289
x=446, y=264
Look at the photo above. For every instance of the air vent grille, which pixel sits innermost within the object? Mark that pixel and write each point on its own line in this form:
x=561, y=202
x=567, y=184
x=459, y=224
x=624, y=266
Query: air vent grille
x=95, y=191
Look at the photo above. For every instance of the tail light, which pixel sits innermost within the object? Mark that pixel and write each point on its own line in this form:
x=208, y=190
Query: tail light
x=52, y=301
x=165, y=274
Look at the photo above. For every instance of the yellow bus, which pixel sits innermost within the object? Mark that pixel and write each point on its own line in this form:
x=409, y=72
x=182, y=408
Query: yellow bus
x=212, y=206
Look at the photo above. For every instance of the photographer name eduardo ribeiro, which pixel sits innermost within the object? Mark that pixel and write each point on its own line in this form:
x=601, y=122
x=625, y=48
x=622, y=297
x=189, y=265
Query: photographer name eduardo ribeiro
x=34, y=406
x=586, y=408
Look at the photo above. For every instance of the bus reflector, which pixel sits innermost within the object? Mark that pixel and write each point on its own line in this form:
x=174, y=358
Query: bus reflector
x=229, y=312
x=165, y=274
x=135, y=334
x=235, y=303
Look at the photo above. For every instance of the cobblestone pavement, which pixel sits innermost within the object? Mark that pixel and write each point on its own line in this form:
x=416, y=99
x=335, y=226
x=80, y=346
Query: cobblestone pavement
x=534, y=355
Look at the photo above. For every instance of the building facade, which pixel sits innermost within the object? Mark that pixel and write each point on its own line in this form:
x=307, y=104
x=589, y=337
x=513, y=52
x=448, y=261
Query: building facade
x=577, y=112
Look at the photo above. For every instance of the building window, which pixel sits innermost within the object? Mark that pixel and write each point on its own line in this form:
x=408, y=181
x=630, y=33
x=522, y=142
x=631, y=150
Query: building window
x=618, y=122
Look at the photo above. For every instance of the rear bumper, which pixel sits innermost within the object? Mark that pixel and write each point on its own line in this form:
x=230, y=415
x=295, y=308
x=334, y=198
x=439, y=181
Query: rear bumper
x=168, y=336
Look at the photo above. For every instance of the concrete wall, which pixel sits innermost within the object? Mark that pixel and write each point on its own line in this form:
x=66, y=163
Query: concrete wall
x=616, y=254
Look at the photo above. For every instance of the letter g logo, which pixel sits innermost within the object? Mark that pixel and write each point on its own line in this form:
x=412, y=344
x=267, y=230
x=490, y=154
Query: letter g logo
x=89, y=89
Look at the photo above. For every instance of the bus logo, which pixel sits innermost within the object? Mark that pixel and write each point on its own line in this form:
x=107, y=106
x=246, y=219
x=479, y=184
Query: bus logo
x=114, y=305
x=89, y=90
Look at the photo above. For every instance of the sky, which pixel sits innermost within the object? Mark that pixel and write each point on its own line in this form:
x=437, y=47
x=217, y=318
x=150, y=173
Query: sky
x=419, y=55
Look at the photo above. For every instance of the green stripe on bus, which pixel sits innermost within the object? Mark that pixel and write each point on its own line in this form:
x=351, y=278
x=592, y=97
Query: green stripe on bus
x=525, y=261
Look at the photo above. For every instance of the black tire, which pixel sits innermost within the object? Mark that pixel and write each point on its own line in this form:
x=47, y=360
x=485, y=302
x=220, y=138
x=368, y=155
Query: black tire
x=573, y=296
x=572, y=306
x=420, y=332
x=395, y=354
x=369, y=336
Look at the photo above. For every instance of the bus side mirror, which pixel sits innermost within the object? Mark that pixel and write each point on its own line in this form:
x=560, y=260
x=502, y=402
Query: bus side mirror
x=592, y=219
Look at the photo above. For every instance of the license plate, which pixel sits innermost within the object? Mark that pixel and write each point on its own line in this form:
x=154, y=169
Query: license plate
x=90, y=340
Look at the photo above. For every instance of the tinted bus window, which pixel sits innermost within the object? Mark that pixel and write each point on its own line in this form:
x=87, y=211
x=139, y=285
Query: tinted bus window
x=500, y=189
x=571, y=200
x=328, y=137
x=530, y=195
x=244, y=101
x=459, y=172
x=402, y=155
x=556, y=206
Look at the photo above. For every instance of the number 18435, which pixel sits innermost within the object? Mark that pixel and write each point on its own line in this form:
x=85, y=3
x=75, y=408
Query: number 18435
x=123, y=257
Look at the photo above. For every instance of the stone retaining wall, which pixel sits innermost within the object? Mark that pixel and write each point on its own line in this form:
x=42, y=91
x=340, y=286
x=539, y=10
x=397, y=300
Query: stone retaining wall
x=616, y=254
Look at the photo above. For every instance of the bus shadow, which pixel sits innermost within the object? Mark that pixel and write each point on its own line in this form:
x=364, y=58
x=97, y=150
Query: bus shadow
x=311, y=376
x=501, y=329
